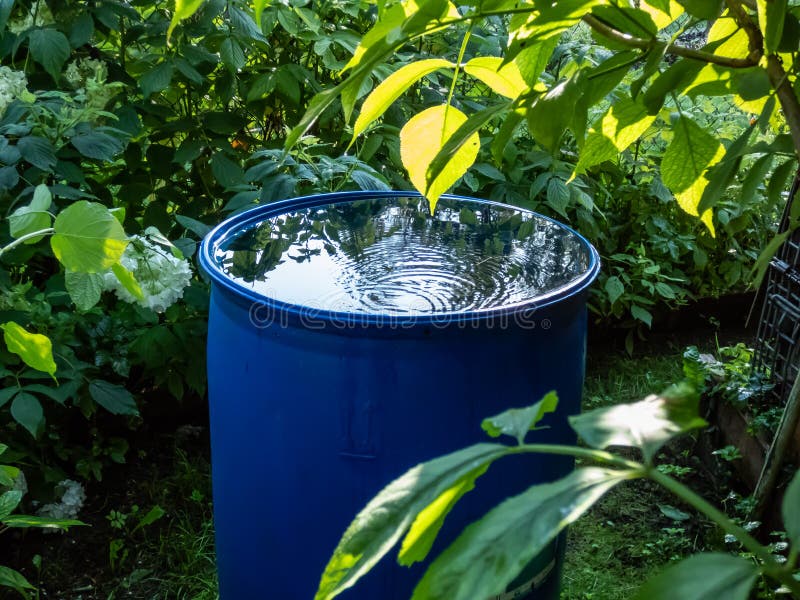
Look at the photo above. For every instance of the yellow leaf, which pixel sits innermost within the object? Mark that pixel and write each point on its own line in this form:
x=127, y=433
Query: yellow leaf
x=35, y=349
x=423, y=137
x=505, y=80
x=660, y=17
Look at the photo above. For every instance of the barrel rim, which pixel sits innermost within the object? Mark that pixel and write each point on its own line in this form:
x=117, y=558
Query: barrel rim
x=257, y=214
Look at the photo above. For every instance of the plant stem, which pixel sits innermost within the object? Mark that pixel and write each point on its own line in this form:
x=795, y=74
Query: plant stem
x=770, y=566
x=578, y=452
x=25, y=238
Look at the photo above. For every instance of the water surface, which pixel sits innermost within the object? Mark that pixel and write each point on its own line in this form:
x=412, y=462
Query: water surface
x=390, y=256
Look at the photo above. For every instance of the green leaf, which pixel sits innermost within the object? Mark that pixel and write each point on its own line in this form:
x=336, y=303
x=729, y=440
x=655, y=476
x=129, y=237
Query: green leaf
x=790, y=512
x=558, y=195
x=27, y=411
x=702, y=9
x=232, y=54
x=642, y=314
x=84, y=289
x=552, y=114
x=423, y=137
x=7, y=394
x=87, y=237
x=391, y=88
x=673, y=513
x=114, y=398
x=258, y=10
x=228, y=173
x=13, y=579
x=35, y=349
x=646, y=424
x=128, y=280
x=490, y=553
x=37, y=151
x=183, y=10
x=705, y=576
x=504, y=79
x=50, y=48
x=762, y=262
x=771, y=15
x=33, y=217
x=503, y=136
x=381, y=524
x=25, y=521
x=153, y=515
x=8, y=502
x=622, y=124
x=690, y=153
x=614, y=288
x=517, y=422
x=674, y=80
x=156, y=79
x=96, y=144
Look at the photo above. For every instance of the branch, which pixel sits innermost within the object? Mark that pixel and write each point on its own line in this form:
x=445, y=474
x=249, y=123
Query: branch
x=690, y=53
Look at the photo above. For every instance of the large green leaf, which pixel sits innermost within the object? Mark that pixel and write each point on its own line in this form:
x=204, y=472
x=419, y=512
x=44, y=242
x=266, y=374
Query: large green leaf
x=711, y=576
x=771, y=16
x=50, y=48
x=114, y=398
x=622, y=124
x=157, y=79
x=423, y=137
x=391, y=88
x=96, y=144
x=702, y=9
x=381, y=524
x=517, y=422
x=27, y=411
x=503, y=78
x=87, y=237
x=35, y=349
x=34, y=217
x=646, y=424
x=84, y=289
x=550, y=19
x=490, y=553
x=8, y=502
x=13, y=579
x=38, y=151
x=790, y=509
x=690, y=153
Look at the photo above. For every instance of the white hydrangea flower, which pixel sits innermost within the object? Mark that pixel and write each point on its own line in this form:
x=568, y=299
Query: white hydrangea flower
x=88, y=76
x=162, y=276
x=39, y=15
x=72, y=499
x=13, y=85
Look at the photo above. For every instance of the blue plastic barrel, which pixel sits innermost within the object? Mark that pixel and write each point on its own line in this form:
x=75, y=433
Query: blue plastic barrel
x=328, y=379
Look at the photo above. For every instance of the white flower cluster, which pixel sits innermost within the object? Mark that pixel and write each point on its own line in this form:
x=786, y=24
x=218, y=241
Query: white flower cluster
x=13, y=85
x=72, y=498
x=39, y=15
x=88, y=76
x=161, y=275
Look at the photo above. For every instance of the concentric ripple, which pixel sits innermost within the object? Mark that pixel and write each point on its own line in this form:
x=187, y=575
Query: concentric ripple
x=389, y=256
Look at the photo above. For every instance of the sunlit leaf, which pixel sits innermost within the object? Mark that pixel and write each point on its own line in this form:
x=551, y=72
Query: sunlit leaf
x=423, y=137
x=384, y=521
x=622, y=124
x=87, y=237
x=490, y=553
x=771, y=15
x=646, y=424
x=663, y=13
x=503, y=79
x=517, y=422
x=24, y=521
x=690, y=153
x=391, y=88
x=128, y=280
x=35, y=349
x=707, y=576
x=183, y=10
